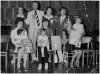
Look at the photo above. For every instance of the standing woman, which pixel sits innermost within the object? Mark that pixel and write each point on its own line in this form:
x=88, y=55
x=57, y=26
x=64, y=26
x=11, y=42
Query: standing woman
x=21, y=13
x=49, y=15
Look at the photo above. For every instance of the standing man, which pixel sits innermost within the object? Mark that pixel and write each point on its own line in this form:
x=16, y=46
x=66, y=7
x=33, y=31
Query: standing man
x=61, y=21
x=34, y=20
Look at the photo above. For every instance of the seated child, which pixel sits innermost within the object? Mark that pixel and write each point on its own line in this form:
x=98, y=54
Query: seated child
x=43, y=48
x=65, y=44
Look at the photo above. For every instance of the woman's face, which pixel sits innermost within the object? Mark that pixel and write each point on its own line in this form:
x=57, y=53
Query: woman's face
x=45, y=24
x=35, y=6
x=20, y=10
x=49, y=11
x=20, y=24
x=63, y=12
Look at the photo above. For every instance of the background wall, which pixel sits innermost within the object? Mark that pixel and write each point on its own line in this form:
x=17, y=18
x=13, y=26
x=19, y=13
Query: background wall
x=9, y=10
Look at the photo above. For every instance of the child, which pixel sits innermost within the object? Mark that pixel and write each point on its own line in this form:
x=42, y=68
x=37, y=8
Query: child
x=43, y=48
x=65, y=44
x=75, y=40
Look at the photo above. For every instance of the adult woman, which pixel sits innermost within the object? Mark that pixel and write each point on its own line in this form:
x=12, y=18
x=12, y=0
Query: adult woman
x=49, y=15
x=75, y=40
x=16, y=40
x=21, y=13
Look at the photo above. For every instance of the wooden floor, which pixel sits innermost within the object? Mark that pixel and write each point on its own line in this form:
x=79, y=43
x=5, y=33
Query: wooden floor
x=59, y=68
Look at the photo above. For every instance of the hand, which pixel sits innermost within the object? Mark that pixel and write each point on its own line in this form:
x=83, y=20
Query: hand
x=33, y=16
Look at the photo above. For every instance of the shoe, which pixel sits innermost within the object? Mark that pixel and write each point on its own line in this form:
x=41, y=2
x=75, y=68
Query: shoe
x=77, y=64
x=25, y=69
x=40, y=67
x=12, y=61
x=18, y=70
x=46, y=66
x=71, y=65
x=32, y=61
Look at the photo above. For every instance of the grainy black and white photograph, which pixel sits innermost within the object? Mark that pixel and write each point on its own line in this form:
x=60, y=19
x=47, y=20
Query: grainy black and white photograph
x=46, y=36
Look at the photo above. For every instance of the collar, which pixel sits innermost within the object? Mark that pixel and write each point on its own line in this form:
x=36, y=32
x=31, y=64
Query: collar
x=63, y=16
x=49, y=17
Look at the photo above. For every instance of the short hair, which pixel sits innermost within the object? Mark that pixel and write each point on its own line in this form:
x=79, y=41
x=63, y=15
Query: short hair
x=18, y=19
x=44, y=30
x=39, y=5
x=19, y=31
x=66, y=10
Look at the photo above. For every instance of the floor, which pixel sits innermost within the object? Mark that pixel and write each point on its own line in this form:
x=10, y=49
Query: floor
x=59, y=68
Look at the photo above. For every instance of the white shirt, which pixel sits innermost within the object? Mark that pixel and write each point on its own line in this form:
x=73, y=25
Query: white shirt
x=43, y=40
x=62, y=18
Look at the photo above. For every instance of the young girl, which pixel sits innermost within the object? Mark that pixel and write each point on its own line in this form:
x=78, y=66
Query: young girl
x=43, y=48
x=65, y=44
x=75, y=40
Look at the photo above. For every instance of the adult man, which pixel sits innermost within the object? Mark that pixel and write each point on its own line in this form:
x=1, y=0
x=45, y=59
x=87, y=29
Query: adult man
x=61, y=21
x=34, y=20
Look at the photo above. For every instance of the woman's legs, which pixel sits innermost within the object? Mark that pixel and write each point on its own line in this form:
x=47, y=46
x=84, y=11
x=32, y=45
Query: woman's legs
x=73, y=57
x=78, y=57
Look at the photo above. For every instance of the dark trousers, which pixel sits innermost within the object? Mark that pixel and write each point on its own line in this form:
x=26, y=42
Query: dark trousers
x=45, y=55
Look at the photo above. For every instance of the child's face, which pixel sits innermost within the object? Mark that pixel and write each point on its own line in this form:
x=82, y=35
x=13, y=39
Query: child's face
x=63, y=35
x=43, y=33
x=78, y=20
x=45, y=24
x=23, y=33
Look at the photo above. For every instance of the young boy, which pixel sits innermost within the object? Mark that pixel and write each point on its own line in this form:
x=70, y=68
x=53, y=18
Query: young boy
x=43, y=48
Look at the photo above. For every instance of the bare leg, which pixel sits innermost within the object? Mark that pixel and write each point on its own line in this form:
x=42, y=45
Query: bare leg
x=78, y=57
x=73, y=57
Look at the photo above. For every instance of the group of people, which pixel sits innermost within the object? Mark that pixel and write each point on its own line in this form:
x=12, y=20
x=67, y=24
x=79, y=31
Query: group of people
x=41, y=27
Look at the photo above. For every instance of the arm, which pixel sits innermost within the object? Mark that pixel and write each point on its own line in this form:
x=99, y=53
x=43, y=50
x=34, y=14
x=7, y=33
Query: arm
x=13, y=38
x=28, y=19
